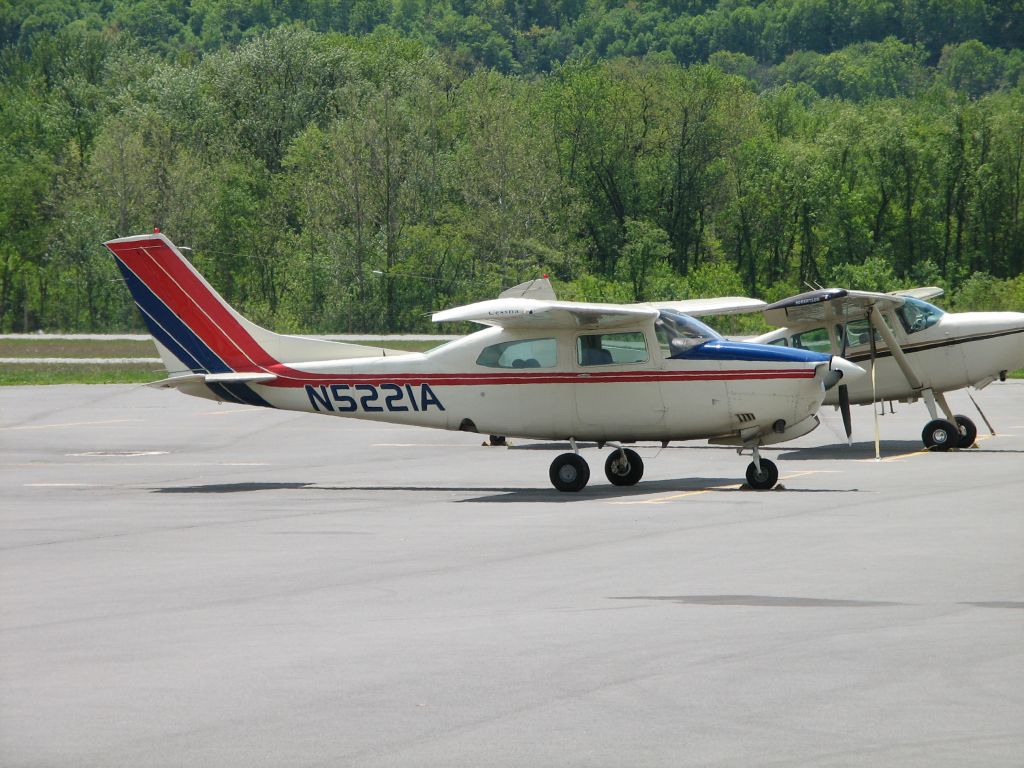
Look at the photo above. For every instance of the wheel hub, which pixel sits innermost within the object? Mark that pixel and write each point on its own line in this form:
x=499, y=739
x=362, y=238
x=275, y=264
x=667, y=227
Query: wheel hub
x=567, y=473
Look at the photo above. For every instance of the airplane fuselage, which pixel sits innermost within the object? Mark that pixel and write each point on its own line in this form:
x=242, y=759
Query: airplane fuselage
x=461, y=386
x=959, y=350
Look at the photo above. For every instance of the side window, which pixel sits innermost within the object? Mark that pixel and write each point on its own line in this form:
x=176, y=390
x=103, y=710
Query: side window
x=611, y=348
x=528, y=353
x=779, y=342
x=815, y=340
x=857, y=334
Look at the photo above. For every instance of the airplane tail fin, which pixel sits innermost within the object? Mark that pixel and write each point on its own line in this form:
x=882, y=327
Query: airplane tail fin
x=196, y=331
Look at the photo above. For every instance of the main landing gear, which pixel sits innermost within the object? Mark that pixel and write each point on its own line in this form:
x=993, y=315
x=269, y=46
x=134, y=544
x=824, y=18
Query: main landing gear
x=942, y=434
x=570, y=471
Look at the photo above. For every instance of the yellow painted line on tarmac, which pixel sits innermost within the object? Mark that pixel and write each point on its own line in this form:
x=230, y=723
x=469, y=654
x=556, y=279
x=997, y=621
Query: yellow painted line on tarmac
x=71, y=424
x=897, y=457
x=710, y=489
x=924, y=451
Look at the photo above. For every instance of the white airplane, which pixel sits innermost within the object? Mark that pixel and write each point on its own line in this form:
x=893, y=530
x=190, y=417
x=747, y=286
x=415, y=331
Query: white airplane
x=542, y=369
x=913, y=349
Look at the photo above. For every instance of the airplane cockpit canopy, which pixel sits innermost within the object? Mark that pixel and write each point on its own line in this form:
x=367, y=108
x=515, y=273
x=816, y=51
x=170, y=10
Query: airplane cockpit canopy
x=916, y=315
x=678, y=333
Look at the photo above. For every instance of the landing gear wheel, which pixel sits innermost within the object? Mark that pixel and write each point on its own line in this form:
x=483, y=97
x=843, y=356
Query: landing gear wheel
x=764, y=480
x=968, y=432
x=624, y=467
x=569, y=472
x=940, y=435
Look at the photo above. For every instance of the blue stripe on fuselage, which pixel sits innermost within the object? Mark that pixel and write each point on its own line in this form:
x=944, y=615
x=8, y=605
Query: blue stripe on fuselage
x=723, y=349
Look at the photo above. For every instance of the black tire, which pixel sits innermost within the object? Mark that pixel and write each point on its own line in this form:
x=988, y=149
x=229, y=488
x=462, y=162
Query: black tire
x=968, y=432
x=569, y=472
x=624, y=469
x=764, y=480
x=940, y=435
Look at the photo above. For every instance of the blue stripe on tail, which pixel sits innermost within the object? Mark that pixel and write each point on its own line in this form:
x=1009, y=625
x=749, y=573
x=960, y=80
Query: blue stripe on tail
x=169, y=329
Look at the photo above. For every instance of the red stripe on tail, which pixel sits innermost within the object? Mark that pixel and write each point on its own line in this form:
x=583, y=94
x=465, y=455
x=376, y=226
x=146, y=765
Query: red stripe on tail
x=177, y=285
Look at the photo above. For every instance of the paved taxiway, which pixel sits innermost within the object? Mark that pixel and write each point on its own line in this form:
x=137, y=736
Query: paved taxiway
x=187, y=584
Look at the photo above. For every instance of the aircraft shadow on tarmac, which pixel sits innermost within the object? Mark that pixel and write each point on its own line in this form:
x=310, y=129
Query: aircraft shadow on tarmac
x=596, y=492
x=784, y=601
x=866, y=450
x=234, y=488
x=762, y=601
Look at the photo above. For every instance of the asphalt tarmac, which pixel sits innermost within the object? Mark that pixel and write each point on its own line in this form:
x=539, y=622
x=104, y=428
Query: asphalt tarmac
x=187, y=584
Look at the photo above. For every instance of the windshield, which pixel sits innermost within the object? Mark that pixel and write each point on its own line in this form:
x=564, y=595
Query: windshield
x=678, y=332
x=916, y=315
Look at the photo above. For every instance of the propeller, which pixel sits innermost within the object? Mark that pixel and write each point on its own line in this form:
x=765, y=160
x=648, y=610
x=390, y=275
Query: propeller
x=844, y=391
x=844, y=408
x=874, y=397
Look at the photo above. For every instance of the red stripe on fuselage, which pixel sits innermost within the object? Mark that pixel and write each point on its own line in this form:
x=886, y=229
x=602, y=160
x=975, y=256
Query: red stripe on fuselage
x=491, y=379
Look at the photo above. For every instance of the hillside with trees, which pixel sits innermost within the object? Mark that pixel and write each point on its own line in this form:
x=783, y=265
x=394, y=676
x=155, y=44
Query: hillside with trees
x=352, y=166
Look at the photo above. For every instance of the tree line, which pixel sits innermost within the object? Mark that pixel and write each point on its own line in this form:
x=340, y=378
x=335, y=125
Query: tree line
x=330, y=182
x=526, y=36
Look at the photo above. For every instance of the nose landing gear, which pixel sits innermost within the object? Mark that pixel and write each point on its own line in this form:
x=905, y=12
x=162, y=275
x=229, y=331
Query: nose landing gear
x=762, y=474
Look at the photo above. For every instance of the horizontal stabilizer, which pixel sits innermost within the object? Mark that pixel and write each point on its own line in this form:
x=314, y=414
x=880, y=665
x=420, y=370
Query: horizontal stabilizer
x=212, y=378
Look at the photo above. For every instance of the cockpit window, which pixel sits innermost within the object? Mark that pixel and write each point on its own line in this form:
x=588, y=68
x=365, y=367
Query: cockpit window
x=916, y=315
x=611, y=348
x=677, y=332
x=527, y=353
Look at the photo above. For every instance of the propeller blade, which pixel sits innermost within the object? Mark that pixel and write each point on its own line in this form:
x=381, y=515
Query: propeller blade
x=874, y=396
x=846, y=336
x=844, y=408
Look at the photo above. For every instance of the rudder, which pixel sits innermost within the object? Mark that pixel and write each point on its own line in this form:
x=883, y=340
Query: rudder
x=185, y=315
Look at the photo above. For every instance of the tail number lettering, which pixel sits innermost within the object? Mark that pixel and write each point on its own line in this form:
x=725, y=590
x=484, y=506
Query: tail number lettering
x=372, y=398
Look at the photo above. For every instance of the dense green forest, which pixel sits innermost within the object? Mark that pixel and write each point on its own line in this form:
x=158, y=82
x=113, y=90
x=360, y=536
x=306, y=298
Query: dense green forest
x=351, y=166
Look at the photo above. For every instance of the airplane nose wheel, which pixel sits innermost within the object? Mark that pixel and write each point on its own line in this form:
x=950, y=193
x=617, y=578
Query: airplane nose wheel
x=766, y=478
x=624, y=467
x=940, y=435
x=569, y=472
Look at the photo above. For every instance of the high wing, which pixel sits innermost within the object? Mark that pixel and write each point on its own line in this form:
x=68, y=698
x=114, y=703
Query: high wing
x=538, y=313
x=837, y=304
x=924, y=294
x=521, y=312
x=722, y=305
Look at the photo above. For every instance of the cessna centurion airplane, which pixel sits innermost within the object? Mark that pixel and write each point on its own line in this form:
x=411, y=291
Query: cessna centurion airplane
x=542, y=369
x=913, y=350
